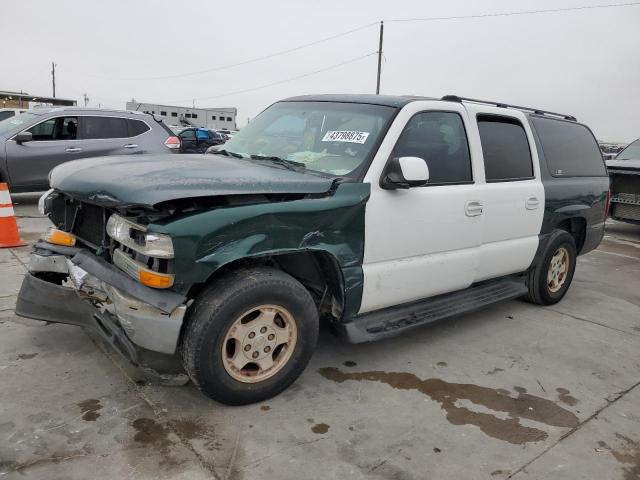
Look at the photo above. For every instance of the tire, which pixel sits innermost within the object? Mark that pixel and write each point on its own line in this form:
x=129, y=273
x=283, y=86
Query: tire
x=219, y=328
x=542, y=290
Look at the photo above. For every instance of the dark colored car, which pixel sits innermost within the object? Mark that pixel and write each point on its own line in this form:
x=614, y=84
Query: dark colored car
x=34, y=142
x=198, y=140
x=624, y=171
x=376, y=214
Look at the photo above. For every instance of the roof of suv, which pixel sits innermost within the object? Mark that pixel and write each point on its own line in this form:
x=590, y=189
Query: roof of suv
x=386, y=100
x=45, y=110
x=399, y=101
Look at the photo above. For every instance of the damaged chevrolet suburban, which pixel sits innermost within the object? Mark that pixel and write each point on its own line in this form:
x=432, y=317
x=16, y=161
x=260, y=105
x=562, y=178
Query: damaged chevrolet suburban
x=376, y=214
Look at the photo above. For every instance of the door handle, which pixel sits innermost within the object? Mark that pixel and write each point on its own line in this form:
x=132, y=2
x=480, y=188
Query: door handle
x=73, y=150
x=473, y=208
x=532, y=203
x=130, y=145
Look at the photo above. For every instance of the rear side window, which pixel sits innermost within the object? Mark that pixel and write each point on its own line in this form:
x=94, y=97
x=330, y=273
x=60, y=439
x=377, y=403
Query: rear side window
x=136, y=127
x=439, y=138
x=104, y=127
x=569, y=148
x=505, y=149
x=8, y=114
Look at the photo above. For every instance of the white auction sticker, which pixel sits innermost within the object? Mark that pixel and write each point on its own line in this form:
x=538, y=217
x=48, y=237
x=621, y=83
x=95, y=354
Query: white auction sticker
x=345, y=136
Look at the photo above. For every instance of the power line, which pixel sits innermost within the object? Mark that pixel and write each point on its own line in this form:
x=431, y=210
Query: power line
x=245, y=62
x=510, y=14
x=290, y=79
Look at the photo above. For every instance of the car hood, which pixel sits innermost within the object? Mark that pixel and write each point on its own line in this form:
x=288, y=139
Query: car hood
x=146, y=180
x=623, y=164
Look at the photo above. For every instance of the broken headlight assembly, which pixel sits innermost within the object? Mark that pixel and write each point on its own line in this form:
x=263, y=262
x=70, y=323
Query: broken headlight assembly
x=137, y=238
x=141, y=254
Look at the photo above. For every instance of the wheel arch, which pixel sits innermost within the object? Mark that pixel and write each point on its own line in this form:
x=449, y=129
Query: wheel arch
x=317, y=270
x=577, y=227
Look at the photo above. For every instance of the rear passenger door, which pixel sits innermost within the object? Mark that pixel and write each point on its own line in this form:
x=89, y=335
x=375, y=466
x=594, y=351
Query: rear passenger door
x=513, y=192
x=103, y=135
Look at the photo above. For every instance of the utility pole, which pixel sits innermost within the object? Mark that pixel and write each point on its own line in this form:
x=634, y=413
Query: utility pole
x=380, y=58
x=86, y=99
x=53, y=78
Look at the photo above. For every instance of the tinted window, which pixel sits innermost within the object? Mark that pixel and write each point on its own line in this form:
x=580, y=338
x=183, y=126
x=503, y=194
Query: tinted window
x=569, y=148
x=58, y=128
x=505, y=149
x=137, y=127
x=8, y=114
x=104, y=127
x=440, y=140
x=188, y=134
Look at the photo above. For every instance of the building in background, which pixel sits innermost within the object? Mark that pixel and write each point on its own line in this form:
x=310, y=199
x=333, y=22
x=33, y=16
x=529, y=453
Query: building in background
x=23, y=100
x=211, y=118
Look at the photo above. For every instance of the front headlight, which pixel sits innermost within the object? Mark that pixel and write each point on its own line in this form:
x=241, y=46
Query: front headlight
x=137, y=238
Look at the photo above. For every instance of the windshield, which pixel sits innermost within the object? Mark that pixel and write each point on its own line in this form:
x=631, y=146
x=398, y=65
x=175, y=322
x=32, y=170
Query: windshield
x=632, y=152
x=330, y=138
x=17, y=123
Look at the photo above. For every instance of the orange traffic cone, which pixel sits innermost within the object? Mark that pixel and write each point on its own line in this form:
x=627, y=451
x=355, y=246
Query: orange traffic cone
x=9, y=236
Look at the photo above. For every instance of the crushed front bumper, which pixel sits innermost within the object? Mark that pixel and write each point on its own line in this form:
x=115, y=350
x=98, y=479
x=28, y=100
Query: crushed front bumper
x=133, y=319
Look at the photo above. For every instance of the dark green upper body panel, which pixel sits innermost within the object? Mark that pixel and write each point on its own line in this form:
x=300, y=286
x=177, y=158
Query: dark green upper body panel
x=332, y=223
x=146, y=180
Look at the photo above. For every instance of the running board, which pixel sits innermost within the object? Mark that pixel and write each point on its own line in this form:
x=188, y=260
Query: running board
x=395, y=320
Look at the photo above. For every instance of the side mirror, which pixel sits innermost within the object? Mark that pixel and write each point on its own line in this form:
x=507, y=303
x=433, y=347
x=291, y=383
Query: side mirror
x=23, y=137
x=405, y=172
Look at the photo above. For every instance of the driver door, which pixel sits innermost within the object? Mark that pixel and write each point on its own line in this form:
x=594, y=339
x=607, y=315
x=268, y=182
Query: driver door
x=424, y=241
x=54, y=142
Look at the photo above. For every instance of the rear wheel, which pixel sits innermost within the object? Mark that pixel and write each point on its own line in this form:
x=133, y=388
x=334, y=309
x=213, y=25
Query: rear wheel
x=250, y=335
x=549, y=281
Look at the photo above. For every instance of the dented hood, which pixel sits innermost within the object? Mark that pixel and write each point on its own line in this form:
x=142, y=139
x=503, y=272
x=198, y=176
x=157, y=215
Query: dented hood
x=147, y=180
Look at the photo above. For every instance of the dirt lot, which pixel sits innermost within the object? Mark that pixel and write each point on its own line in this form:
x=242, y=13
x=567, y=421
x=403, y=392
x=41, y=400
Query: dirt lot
x=516, y=391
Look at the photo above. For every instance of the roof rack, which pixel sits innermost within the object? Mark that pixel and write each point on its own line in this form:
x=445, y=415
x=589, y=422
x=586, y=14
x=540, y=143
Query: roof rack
x=455, y=98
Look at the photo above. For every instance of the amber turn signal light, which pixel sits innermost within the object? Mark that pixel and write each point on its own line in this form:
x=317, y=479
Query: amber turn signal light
x=58, y=237
x=155, y=280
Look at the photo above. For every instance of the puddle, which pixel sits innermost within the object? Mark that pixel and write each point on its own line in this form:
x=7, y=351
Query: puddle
x=320, y=428
x=89, y=409
x=522, y=406
x=265, y=408
x=564, y=397
x=628, y=455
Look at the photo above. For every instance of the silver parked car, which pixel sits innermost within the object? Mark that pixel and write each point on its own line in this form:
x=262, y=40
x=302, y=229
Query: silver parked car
x=34, y=142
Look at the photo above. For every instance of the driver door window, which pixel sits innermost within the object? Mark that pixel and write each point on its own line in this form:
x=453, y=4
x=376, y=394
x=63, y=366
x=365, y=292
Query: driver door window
x=439, y=138
x=58, y=128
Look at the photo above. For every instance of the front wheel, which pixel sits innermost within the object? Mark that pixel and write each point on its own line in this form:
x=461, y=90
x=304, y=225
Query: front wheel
x=250, y=335
x=549, y=281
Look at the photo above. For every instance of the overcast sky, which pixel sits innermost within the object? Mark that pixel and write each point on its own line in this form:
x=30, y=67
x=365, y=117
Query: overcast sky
x=585, y=63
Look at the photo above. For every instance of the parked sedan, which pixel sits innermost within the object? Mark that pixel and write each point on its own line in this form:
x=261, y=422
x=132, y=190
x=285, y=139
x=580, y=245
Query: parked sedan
x=34, y=142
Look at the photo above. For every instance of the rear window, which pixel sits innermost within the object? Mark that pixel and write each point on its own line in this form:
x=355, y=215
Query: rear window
x=569, y=148
x=104, y=127
x=505, y=149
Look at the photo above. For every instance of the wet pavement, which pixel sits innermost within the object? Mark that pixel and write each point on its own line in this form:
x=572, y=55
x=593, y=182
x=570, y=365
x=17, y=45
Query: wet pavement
x=515, y=391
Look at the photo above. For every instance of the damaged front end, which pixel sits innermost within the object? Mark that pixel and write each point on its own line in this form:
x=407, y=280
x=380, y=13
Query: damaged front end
x=103, y=283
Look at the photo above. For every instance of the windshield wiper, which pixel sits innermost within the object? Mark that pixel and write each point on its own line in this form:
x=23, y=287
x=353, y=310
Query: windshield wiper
x=290, y=164
x=228, y=153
